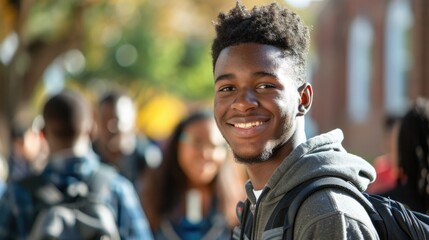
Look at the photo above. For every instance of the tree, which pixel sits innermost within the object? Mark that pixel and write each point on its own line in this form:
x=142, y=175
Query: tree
x=36, y=48
x=149, y=44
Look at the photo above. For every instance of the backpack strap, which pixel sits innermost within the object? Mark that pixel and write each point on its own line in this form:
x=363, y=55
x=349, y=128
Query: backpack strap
x=98, y=181
x=242, y=211
x=317, y=185
x=44, y=191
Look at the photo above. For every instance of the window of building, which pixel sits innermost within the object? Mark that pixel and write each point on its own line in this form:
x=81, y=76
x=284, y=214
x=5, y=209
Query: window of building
x=397, y=56
x=359, y=69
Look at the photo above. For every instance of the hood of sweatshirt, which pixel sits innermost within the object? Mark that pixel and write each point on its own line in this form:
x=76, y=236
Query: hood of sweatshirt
x=322, y=155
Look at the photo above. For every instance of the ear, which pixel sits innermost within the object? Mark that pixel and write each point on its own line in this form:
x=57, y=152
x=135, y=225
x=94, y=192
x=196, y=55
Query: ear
x=305, y=99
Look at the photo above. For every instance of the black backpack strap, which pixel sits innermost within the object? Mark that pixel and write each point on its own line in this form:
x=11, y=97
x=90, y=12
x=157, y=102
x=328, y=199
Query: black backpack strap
x=243, y=214
x=413, y=232
x=317, y=185
x=401, y=222
x=42, y=190
x=279, y=213
x=421, y=232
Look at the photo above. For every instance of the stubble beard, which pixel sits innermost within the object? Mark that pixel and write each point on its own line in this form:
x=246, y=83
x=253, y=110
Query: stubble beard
x=266, y=154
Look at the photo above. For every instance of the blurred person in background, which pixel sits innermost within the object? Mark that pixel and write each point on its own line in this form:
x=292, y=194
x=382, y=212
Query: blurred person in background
x=193, y=194
x=386, y=165
x=68, y=124
x=117, y=141
x=3, y=174
x=413, y=158
x=28, y=147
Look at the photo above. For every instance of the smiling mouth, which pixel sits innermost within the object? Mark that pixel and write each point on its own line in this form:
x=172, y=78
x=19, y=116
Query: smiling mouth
x=248, y=125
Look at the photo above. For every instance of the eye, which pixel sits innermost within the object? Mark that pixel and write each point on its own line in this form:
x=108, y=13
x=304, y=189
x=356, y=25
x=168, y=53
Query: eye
x=226, y=89
x=265, y=86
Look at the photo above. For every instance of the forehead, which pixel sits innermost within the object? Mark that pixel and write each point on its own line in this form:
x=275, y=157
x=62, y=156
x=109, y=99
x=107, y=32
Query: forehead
x=249, y=54
x=122, y=108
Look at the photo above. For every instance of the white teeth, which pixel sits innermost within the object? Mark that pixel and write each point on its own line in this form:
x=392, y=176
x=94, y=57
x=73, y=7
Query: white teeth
x=248, y=125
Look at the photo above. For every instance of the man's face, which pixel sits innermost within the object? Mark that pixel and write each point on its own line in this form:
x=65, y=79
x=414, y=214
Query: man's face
x=108, y=122
x=256, y=101
x=116, y=125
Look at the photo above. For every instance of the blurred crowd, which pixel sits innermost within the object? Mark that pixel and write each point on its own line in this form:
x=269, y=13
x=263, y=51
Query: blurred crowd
x=187, y=185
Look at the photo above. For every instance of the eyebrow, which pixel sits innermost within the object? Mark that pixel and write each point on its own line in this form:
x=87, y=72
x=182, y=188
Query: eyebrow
x=224, y=77
x=264, y=74
x=257, y=74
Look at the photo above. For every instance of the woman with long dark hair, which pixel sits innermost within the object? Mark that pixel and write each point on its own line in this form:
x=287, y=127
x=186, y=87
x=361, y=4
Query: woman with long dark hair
x=413, y=158
x=192, y=194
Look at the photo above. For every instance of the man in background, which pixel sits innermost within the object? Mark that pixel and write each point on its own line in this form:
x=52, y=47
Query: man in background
x=117, y=141
x=71, y=162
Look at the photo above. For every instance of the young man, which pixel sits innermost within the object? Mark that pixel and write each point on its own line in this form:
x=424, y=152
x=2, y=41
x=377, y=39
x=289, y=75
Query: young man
x=261, y=98
x=71, y=163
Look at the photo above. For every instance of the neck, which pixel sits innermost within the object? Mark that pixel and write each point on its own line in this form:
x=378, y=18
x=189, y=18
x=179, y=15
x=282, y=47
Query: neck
x=260, y=173
x=198, y=202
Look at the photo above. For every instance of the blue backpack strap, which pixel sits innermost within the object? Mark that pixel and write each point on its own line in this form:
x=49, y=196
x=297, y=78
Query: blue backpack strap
x=101, y=177
x=99, y=181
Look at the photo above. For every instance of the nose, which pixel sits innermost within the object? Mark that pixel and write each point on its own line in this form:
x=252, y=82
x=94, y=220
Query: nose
x=207, y=153
x=213, y=153
x=245, y=101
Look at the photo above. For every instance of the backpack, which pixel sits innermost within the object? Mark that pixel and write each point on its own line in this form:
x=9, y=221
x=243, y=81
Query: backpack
x=390, y=218
x=79, y=213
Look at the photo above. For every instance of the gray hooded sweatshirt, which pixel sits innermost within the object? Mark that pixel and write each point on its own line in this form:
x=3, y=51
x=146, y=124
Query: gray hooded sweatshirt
x=327, y=214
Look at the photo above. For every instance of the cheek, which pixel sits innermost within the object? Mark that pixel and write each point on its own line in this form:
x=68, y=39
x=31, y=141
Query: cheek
x=219, y=155
x=217, y=108
x=218, y=113
x=287, y=109
x=185, y=157
x=287, y=104
x=221, y=104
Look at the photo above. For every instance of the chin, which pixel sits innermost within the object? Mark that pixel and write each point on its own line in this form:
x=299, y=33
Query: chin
x=250, y=159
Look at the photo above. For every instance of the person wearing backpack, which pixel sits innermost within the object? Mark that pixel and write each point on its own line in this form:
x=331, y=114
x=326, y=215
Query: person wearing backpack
x=75, y=197
x=261, y=98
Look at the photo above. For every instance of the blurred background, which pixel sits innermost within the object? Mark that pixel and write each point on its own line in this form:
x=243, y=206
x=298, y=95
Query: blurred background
x=368, y=59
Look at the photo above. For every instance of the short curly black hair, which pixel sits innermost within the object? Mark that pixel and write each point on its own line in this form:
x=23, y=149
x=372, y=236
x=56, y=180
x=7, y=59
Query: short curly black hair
x=271, y=25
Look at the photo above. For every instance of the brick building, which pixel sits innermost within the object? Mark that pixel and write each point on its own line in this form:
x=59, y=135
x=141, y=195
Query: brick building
x=370, y=59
